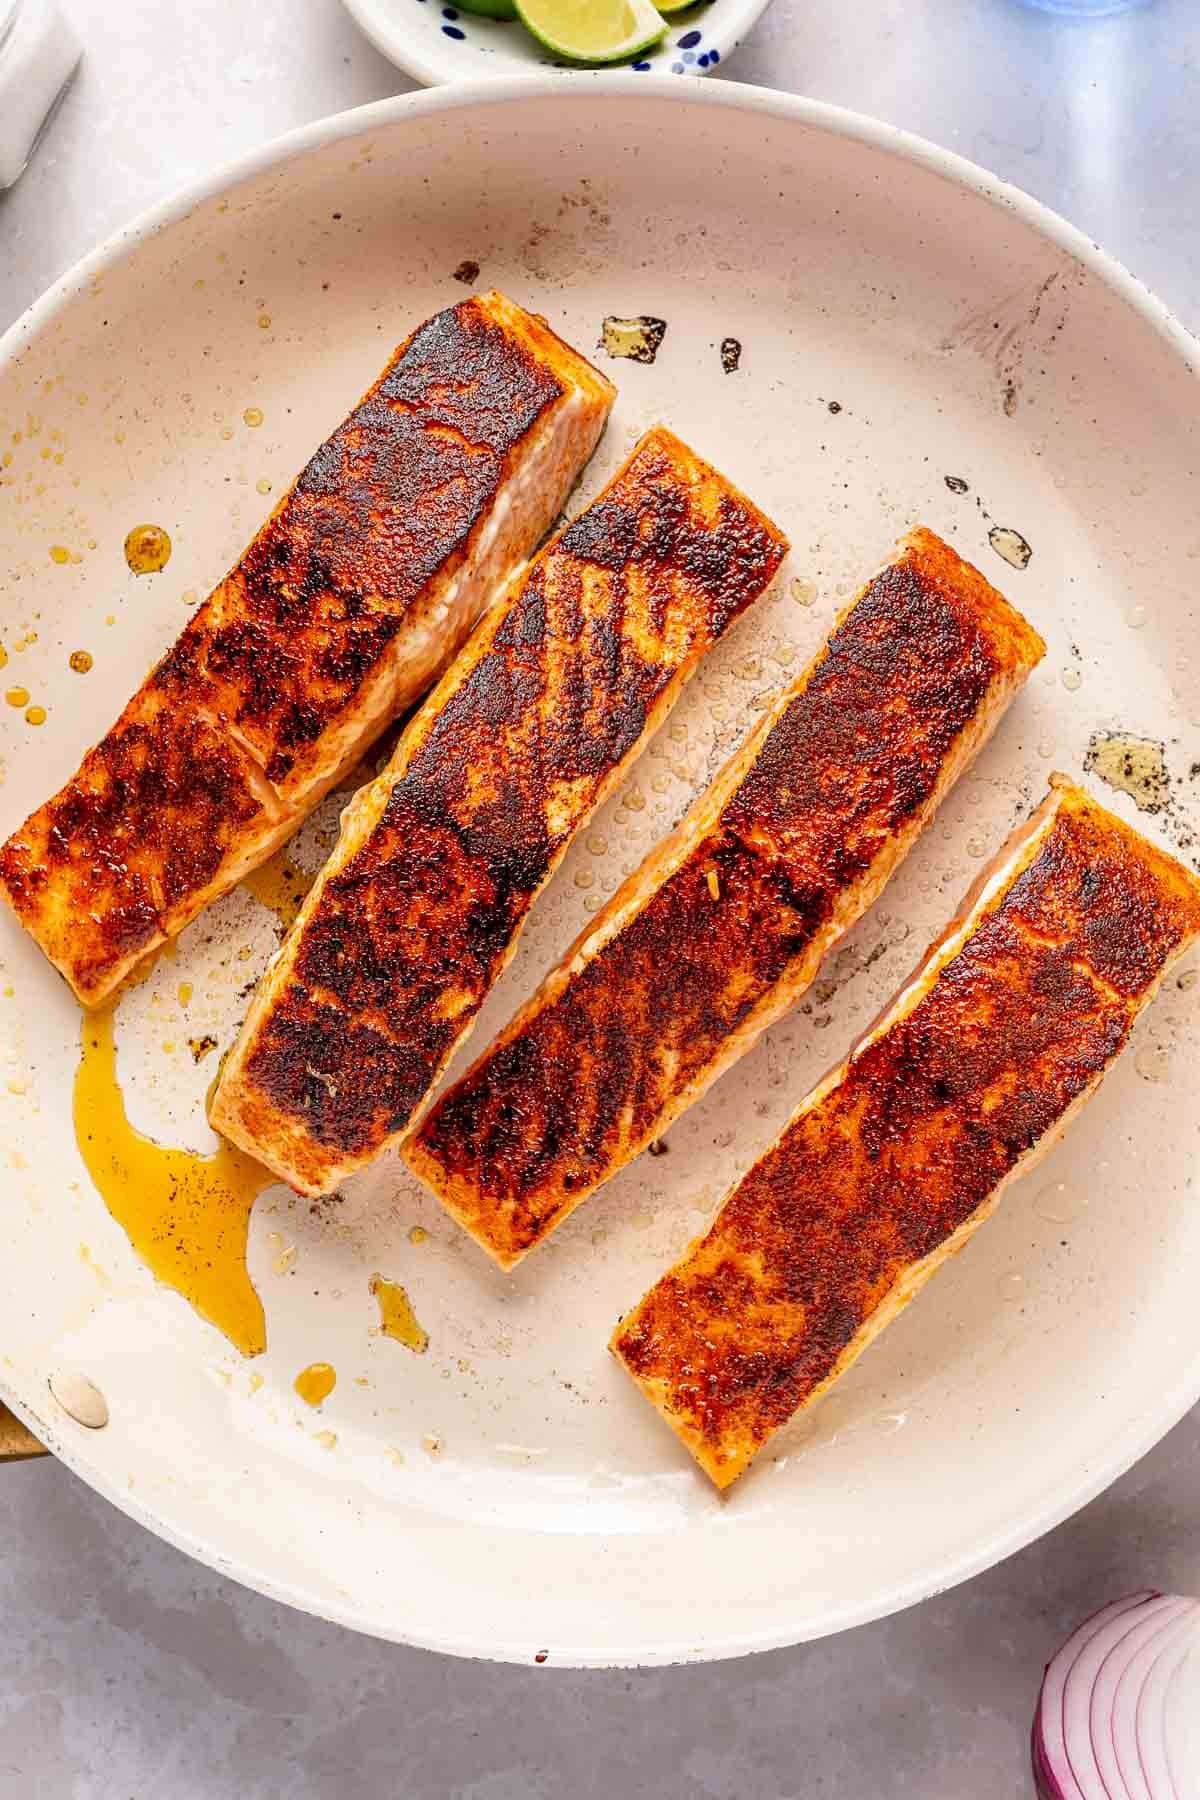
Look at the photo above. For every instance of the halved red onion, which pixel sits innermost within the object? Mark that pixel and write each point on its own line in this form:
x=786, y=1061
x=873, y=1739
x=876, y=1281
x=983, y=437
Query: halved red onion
x=1114, y=1719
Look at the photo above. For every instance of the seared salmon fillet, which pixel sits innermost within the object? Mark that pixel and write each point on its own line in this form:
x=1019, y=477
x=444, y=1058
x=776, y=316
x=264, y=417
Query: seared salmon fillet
x=725, y=924
x=420, y=906
x=904, y=1149
x=359, y=588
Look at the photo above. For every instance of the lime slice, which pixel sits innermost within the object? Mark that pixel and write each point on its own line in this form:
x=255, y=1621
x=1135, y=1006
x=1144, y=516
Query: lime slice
x=497, y=9
x=595, y=31
x=675, y=6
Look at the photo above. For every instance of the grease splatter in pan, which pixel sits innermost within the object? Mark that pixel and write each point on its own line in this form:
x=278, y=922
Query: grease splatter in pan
x=396, y=1316
x=1136, y=766
x=731, y=354
x=1016, y=550
x=147, y=549
x=637, y=339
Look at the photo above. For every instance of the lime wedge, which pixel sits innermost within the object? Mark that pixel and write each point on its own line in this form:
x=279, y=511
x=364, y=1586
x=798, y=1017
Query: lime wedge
x=594, y=31
x=497, y=9
x=675, y=6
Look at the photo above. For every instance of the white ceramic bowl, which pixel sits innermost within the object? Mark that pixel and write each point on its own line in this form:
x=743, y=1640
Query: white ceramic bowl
x=435, y=41
x=961, y=330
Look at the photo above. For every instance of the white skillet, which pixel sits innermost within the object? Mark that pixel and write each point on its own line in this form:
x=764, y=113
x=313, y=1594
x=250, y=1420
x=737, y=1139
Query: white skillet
x=962, y=331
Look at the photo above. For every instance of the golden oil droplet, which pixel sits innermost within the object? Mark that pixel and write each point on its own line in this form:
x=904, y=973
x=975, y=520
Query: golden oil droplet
x=584, y=878
x=59, y=553
x=593, y=903
x=147, y=549
x=263, y=485
x=417, y=1234
x=678, y=732
x=432, y=1446
x=183, y=992
x=35, y=715
x=1072, y=680
x=80, y=661
x=187, y=1216
x=17, y=696
x=315, y=1384
x=327, y=1440
x=264, y=321
x=253, y=416
x=1045, y=748
x=396, y=1316
x=227, y=432
x=977, y=846
x=635, y=800
x=596, y=844
x=803, y=592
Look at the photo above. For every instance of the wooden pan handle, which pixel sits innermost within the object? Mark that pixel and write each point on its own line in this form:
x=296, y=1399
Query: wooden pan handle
x=16, y=1443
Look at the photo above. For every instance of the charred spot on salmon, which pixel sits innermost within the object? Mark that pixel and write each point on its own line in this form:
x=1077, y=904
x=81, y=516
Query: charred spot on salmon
x=636, y=339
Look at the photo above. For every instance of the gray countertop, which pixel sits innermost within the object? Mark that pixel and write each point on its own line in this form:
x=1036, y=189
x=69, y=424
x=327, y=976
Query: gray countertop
x=125, y=1669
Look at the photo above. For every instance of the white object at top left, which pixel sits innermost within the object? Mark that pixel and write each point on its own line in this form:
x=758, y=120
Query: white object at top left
x=39, y=53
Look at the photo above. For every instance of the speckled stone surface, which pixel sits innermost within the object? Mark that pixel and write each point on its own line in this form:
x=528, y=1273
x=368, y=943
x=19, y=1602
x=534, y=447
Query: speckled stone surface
x=125, y=1669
